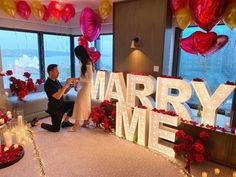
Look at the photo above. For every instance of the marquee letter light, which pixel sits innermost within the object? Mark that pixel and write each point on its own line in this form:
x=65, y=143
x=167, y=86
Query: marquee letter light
x=158, y=132
x=126, y=123
x=148, y=83
x=116, y=81
x=99, y=85
x=162, y=97
x=211, y=103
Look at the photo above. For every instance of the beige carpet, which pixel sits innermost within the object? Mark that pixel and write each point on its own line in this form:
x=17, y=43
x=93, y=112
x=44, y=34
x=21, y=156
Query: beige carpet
x=93, y=153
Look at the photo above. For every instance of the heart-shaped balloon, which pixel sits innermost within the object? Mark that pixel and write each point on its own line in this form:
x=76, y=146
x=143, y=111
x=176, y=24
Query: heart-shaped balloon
x=83, y=41
x=23, y=9
x=220, y=43
x=204, y=41
x=90, y=24
x=68, y=12
x=177, y=5
x=55, y=9
x=207, y=13
x=187, y=45
x=46, y=13
x=93, y=54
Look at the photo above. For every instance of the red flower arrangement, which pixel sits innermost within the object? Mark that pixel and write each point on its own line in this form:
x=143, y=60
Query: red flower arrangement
x=139, y=73
x=102, y=117
x=4, y=118
x=22, y=88
x=229, y=83
x=198, y=79
x=192, y=149
x=170, y=113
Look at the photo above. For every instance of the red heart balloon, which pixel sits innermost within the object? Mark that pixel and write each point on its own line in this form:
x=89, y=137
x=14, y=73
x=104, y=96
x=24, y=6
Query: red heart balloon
x=55, y=9
x=23, y=9
x=68, y=12
x=204, y=41
x=207, y=13
x=46, y=13
x=83, y=41
x=220, y=43
x=187, y=45
x=177, y=5
x=93, y=54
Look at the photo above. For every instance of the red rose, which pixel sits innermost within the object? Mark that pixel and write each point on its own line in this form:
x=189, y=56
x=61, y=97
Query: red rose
x=12, y=88
x=179, y=148
x=9, y=72
x=204, y=136
x=199, y=158
x=188, y=139
x=106, y=103
x=106, y=125
x=39, y=81
x=27, y=74
x=21, y=94
x=199, y=147
x=12, y=79
x=113, y=113
x=180, y=134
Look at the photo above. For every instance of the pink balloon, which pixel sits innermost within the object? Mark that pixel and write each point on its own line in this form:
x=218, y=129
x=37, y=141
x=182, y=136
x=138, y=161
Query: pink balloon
x=220, y=43
x=90, y=24
x=94, y=55
x=23, y=9
x=187, y=44
x=68, y=12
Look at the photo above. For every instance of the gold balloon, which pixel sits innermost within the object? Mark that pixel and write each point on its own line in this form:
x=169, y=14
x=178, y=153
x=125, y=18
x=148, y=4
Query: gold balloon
x=183, y=18
x=37, y=9
x=9, y=7
x=229, y=17
x=104, y=9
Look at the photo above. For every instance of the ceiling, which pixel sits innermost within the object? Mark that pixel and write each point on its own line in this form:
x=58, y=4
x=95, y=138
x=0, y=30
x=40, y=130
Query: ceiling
x=79, y=4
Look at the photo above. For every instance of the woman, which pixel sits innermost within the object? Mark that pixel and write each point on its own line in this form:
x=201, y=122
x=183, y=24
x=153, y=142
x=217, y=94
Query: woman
x=82, y=107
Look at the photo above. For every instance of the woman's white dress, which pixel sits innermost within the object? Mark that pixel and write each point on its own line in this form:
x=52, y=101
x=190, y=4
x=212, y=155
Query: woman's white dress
x=82, y=106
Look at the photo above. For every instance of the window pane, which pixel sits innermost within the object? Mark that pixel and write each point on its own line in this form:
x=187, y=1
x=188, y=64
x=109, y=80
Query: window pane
x=57, y=51
x=77, y=66
x=105, y=47
x=215, y=68
x=19, y=54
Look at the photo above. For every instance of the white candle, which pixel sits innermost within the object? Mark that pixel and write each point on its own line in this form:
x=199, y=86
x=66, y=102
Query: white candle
x=9, y=116
x=8, y=138
x=18, y=137
x=20, y=121
x=204, y=174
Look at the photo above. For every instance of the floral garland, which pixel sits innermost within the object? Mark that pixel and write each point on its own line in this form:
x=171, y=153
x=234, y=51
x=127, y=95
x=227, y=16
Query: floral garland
x=170, y=113
x=172, y=77
x=193, y=150
x=21, y=88
x=102, y=117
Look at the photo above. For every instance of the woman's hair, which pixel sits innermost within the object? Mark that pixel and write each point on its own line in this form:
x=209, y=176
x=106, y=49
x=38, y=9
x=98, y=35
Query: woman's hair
x=82, y=54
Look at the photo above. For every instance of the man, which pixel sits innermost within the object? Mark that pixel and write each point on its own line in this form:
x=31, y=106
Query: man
x=56, y=104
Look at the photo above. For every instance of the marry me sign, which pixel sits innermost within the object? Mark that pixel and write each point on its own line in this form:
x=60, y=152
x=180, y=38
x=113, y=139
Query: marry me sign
x=145, y=124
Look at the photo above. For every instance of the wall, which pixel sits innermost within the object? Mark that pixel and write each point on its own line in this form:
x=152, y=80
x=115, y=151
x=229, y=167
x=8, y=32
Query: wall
x=146, y=20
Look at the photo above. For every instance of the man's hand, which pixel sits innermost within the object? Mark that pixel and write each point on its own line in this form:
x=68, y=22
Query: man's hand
x=68, y=82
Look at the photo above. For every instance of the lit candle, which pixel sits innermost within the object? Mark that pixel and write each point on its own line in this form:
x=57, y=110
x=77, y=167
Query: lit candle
x=18, y=137
x=2, y=121
x=20, y=121
x=9, y=116
x=234, y=174
x=217, y=171
x=7, y=138
x=204, y=174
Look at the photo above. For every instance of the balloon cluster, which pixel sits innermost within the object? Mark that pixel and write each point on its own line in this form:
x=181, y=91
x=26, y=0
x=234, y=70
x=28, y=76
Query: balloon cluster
x=205, y=13
x=54, y=10
x=90, y=26
x=203, y=43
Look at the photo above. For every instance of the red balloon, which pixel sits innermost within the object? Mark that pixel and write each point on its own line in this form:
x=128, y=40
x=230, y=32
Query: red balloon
x=90, y=24
x=23, y=9
x=55, y=9
x=207, y=13
x=204, y=41
x=46, y=13
x=220, y=43
x=177, y=5
x=83, y=41
x=93, y=54
x=68, y=12
x=187, y=45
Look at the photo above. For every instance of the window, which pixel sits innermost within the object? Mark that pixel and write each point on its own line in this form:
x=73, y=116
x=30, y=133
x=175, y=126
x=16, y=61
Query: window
x=77, y=66
x=215, y=69
x=57, y=51
x=19, y=53
x=105, y=46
